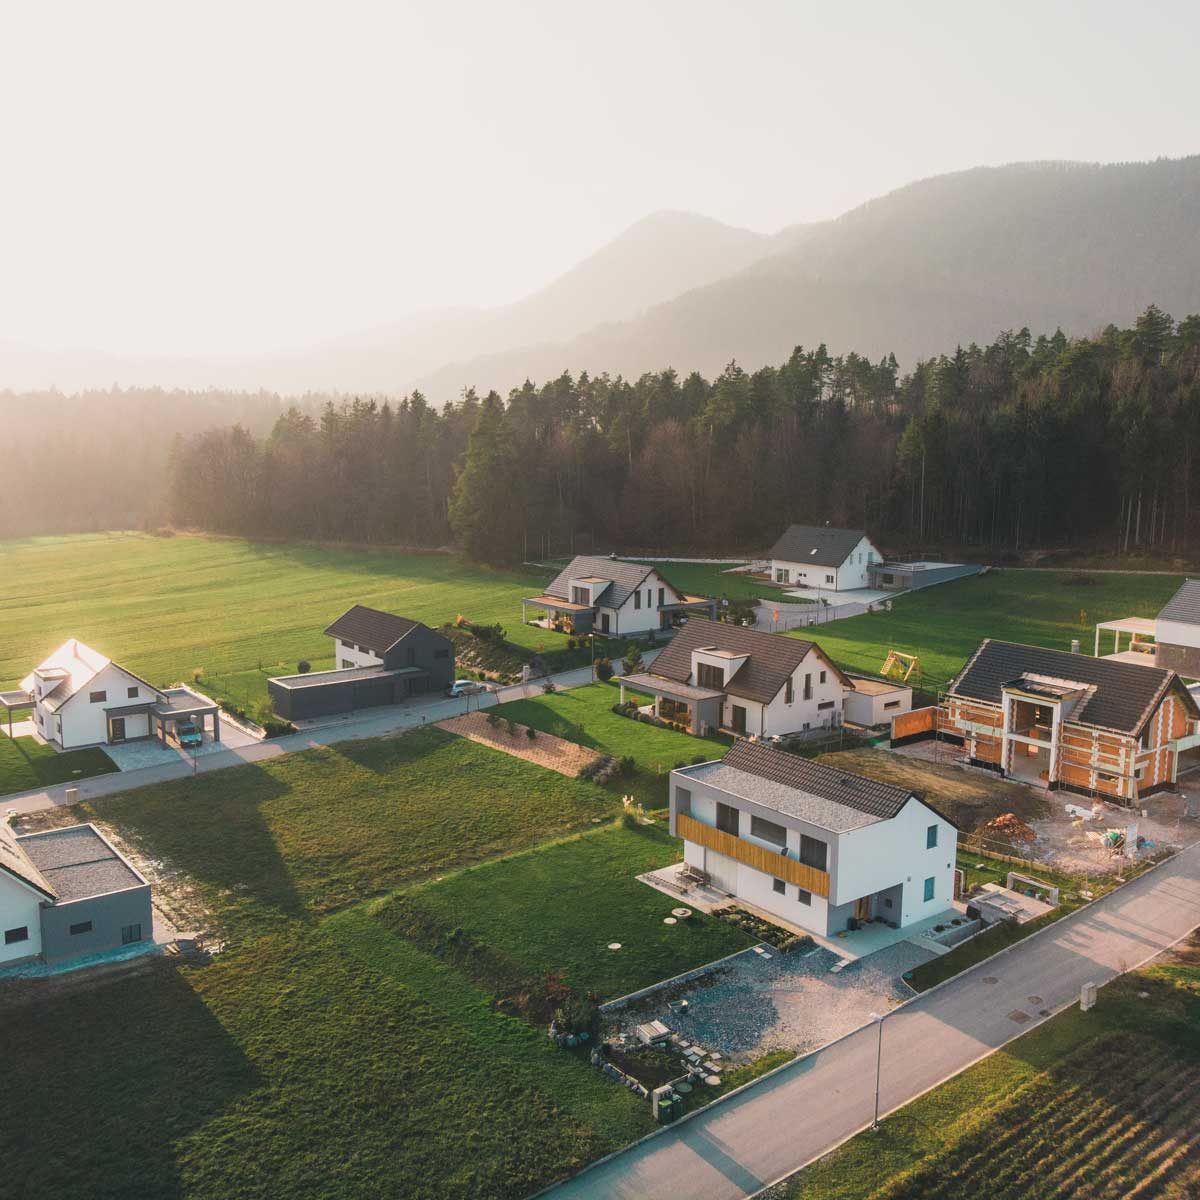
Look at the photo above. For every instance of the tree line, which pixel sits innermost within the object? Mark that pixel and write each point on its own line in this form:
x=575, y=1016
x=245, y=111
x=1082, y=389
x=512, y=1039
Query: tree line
x=1026, y=442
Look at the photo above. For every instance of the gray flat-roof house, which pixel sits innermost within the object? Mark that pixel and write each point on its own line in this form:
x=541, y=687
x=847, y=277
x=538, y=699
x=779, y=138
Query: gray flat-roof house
x=66, y=893
x=819, y=556
x=381, y=659
x=611, y=596
x=813, y=844
x=714, y=675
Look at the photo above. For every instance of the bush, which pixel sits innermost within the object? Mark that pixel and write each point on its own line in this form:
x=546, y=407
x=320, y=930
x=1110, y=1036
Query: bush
x=549, y=686
x=511, y=726
x=530, y=732
x=304, y=666
x=604, y=669
x=698, y=759
x=680, y=765
x=276, y=727
x=571, y=643
x=632, y=661
x=628, y=765
x=493, y=719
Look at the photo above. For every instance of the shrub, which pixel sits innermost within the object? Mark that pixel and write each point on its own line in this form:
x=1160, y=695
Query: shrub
x=628, y=765
x=680, y=765
x=276, y=727
x=632, y=661
x=493, y=719
x=530, y=732
x=304, y=666
x=698, y=759
x=549, y=686
x=604, y=669
x=511, y=726
x=570, y=643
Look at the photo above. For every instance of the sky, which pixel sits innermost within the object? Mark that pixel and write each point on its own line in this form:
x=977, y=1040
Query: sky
x=230, y=178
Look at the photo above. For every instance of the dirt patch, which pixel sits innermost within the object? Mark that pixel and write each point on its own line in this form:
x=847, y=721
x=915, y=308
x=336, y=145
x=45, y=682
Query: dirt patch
x=546, y=750
x=1186, y=954
x=968, y=796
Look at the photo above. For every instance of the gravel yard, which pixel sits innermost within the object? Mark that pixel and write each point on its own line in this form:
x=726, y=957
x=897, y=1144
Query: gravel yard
x=789, y=1001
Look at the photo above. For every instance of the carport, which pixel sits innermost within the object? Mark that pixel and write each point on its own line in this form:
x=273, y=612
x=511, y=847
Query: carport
x=671, y=699
x=13, y=702
x=182, y=704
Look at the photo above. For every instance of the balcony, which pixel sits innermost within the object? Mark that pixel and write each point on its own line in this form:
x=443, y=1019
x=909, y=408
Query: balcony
x=770, y=862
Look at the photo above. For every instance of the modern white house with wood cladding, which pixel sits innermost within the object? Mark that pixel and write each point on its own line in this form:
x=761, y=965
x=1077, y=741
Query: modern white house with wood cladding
x=614, y=597
x=819, y=556
x=817, y=846
x=713, y=675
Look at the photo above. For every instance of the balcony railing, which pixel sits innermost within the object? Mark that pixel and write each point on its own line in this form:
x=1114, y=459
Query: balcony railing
x=770, y=862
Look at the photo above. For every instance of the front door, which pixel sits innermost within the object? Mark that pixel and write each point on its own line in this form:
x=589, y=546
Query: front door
x=739, y=719
x=116, y=729
x=862, y=908
x=604, y=622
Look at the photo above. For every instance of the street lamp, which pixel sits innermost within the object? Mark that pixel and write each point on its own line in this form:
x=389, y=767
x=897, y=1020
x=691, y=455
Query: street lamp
x=878, y=1019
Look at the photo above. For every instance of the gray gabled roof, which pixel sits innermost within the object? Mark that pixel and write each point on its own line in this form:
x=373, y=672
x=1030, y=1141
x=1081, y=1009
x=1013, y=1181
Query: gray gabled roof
x=817, y=544
x=1120, y=696
x=377, y=631
x=1184, y=606
x=772, y=657
x=625, y=577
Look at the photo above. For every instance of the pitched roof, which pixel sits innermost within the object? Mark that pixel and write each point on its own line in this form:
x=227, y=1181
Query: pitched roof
x=14, y=861
x=1120, y=696
x=377, y=631
x=79, y=665
x=817, y=544
x=799, y=787
x=1184, y=606
x=625, y=577
x=772, y=657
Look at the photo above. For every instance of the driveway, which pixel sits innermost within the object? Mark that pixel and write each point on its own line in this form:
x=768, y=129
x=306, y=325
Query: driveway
x=737, y=1147
x=369, y=723
x=136, y=756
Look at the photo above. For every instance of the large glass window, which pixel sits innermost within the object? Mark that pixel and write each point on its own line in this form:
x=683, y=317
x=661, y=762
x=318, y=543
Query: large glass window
x=813, y=852
x=708, y=676
x=20, y=934
x=727, y=818
x=768, y=831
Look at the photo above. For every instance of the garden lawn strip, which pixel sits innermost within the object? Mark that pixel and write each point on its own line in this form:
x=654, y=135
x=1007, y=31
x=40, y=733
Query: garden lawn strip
x=26, y=763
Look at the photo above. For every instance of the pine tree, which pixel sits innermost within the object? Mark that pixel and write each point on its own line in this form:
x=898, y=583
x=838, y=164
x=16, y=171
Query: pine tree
x=486, y=510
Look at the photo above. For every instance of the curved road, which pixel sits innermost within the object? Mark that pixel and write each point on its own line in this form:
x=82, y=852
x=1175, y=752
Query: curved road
x=737, y=1147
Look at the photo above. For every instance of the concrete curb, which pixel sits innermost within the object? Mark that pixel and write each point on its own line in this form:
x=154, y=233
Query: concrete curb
x=685, y=977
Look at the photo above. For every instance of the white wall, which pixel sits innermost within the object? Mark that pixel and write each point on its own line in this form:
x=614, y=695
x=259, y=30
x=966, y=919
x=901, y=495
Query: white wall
x=852, y=573
x=868, y=708
x=85, y=723
x=779, y=717
x=1176, y=633
x=19, y=906
x=890, y=852
x=347, y=652
x=639, y=620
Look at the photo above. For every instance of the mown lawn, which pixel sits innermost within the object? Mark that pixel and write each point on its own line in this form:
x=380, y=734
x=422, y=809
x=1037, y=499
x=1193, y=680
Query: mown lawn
x=712, y=579
x=321, y=1053
x=584, y=715
x=26, y=764
x=558, y=906
x=1098, y=1105
x=944, y=624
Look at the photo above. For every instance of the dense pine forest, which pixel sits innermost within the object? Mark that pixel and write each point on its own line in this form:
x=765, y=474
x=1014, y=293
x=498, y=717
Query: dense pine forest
x=1027, y=442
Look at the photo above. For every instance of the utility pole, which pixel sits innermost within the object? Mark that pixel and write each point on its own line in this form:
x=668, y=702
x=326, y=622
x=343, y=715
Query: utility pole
x=878, y=1019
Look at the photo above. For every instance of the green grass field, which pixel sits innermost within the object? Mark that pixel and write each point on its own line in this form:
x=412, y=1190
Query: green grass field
x=1098, y=1105
x=943, y=624
x=584, y=715
x=533, y=906
x=26, y=764
x=323, y=1051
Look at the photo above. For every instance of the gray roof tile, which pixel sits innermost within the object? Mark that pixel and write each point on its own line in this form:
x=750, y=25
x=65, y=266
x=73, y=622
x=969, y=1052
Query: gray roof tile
x=377, y=631
x=1184, y=606
x=625, y=577
x=817, y=544
x=78, y=862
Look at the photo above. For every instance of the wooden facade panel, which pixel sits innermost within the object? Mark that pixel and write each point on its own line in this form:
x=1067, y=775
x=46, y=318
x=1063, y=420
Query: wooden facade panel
x=769, y=862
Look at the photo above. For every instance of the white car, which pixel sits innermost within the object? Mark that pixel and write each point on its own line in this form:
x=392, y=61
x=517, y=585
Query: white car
x=464, y=687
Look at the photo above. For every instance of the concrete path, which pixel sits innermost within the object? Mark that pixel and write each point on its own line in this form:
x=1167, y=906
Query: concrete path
x=770, y=1130
x=369, y=723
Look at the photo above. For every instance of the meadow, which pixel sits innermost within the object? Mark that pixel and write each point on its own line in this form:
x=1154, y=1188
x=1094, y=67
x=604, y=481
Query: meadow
x=944, y=624
x=26, y=763
x=1098, y=1104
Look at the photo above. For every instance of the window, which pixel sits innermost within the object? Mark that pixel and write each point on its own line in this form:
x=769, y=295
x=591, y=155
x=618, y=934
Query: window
x=887, y=579
x=637, y=599
x=768, y=831
x=131, y=693
x=813, y=852
x=891, y=704
x=708, y=676
x=441, y=654
x=580, y=595
x=828, y=578
x=789, y=692
x=20, y=934
x=803, y=896
x=130, y=934
x=929, y=888
x=662, y=597
x=364, y=650
x=1147, y=739
x=347, y=665
x=781, y=574
x=727, y=818
x=931, y=837
x=825, y=704
x=779, y=886
x=81, y=927
x=97, y=697
x=821, y=677
x=348, y=645
x=683, y=797
x=808, y=686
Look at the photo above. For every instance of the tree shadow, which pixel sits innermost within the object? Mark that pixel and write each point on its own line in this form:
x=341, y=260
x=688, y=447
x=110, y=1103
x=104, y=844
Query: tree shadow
x=133, y=1064
x=384, y=755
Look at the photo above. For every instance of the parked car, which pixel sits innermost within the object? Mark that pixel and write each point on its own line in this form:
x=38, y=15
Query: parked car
x=465, y=687
x=187, y=735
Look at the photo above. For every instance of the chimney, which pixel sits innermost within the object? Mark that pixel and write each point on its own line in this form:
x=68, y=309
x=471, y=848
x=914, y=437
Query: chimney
x=1074, y=645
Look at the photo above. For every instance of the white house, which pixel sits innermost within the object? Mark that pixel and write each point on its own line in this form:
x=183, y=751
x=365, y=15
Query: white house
x=818, y=556
x=876, y=701
x=611, y=596
x=813, y=844
x=80, y=698
x=1177, y=632
x=715, y=675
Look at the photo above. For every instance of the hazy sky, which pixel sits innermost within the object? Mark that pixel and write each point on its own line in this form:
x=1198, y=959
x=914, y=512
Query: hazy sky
x=242, y=176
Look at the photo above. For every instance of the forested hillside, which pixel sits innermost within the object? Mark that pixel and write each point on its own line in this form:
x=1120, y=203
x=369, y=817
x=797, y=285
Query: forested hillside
x=1026, y=441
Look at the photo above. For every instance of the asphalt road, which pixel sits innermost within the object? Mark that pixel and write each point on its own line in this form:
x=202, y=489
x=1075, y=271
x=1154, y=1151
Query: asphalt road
x=735, y=1148
x=375, y=722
